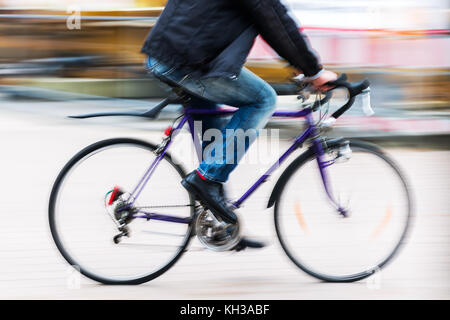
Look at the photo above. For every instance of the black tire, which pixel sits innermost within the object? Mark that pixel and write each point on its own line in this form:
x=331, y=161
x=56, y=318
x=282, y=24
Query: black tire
x=301, y=161
x=54, y=197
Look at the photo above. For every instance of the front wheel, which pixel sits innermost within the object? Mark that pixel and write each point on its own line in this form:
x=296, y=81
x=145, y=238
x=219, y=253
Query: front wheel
x=107, y=234
x=326, y=244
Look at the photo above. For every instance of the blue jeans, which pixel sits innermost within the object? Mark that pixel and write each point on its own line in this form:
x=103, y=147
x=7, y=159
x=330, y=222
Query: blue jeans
x=254, y=98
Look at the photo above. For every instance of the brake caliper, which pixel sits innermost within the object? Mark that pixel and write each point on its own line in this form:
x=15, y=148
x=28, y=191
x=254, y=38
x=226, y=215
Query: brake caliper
x=344, y=152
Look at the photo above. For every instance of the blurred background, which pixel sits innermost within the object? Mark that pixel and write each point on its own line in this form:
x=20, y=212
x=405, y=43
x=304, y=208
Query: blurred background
x=63, y=57
x=72, y=50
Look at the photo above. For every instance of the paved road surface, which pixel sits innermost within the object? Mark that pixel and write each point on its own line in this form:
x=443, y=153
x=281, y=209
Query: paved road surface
x=34, y=149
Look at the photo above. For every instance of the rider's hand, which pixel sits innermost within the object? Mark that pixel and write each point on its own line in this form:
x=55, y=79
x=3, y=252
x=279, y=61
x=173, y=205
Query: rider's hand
x=325, y=76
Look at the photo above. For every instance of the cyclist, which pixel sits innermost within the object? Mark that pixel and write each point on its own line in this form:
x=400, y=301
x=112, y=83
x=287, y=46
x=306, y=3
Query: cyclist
x=201, y=45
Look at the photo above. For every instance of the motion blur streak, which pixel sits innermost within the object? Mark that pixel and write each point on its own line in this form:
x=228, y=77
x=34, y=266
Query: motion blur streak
x=49, y=70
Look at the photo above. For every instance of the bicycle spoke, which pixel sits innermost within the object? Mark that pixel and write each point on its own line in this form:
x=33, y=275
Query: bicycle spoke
x=95, y=187
x=336, y=248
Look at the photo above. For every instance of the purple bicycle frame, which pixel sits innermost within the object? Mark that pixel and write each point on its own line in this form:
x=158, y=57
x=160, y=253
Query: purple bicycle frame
x=311, y=131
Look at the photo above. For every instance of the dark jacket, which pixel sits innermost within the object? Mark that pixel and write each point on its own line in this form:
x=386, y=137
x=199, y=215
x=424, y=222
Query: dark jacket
x=213, y=37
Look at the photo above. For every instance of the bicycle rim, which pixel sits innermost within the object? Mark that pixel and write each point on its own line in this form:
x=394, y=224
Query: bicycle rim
x=84, y=231
x=327, y=245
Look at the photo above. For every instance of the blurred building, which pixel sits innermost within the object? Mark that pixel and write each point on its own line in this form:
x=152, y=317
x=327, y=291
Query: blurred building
x=401, y=45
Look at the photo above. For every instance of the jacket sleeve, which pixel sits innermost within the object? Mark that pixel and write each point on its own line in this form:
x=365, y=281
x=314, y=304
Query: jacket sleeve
x=281, y=32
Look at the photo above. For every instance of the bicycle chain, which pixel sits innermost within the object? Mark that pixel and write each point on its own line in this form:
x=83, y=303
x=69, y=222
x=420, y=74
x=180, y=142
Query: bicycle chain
x=166, y=206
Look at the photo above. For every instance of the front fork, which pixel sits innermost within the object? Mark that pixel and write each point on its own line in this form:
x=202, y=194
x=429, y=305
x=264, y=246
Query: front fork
x=318, y=145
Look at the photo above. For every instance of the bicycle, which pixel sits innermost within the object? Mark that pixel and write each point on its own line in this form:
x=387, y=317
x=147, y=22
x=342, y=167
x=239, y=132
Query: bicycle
x=144, y=241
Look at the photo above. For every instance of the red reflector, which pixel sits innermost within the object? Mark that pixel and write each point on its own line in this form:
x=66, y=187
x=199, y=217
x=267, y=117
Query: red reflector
x=113, y=195
x=168, y=131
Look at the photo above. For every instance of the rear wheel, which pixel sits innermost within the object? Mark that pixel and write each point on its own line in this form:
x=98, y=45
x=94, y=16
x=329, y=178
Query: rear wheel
x=324, y=243
x=109, y=244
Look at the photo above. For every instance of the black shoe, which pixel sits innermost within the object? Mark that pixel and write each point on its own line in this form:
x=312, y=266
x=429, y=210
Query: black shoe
x=211, y=194
x=246, y=243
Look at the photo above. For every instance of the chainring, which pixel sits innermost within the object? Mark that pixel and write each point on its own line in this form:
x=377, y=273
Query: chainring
x=214, y=234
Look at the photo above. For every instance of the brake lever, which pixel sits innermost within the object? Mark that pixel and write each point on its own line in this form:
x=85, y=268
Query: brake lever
x=357, y=89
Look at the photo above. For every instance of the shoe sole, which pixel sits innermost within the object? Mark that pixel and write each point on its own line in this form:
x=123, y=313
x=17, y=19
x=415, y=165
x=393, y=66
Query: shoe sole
x=193, y=190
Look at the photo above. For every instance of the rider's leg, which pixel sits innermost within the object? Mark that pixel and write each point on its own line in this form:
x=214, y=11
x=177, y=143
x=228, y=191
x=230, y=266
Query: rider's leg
x=256, y=101
x=206, y=122
x=196, y=100
x=254, y=97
